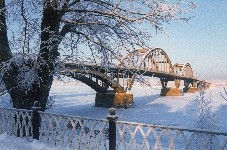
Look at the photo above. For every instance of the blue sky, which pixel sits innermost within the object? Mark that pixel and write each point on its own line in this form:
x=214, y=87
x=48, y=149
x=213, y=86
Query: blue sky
x=202, y=41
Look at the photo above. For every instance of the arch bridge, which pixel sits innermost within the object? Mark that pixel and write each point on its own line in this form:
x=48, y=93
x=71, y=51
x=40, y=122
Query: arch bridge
x=120, y=78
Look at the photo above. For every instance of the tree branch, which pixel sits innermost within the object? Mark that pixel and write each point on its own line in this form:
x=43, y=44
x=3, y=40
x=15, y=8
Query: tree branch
x=225, y=94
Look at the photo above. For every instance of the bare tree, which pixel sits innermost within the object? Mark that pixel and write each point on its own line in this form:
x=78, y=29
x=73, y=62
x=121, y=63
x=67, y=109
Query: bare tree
x=39, y=31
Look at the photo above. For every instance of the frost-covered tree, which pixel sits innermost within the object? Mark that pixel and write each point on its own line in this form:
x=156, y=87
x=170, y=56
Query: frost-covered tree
x=205, y=119
x=34, y=33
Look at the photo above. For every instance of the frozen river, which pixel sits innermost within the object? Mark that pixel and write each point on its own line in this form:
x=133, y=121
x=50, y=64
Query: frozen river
x=149, y=107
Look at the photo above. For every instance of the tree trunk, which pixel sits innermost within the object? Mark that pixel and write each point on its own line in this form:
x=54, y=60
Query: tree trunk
x=9, y=76
x=48, y=50
x=5, y=53
x=22, y=98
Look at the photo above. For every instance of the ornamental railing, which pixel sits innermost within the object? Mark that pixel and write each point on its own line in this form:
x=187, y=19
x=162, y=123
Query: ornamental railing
x=94, y=134
x=16, y=122
x=134, y=136
x=74, y=132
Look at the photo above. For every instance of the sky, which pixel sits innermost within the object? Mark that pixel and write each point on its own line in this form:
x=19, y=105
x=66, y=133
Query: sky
x=202, y=41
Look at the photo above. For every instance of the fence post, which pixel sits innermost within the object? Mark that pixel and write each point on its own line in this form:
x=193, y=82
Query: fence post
x=112, y=128
x=35, y=120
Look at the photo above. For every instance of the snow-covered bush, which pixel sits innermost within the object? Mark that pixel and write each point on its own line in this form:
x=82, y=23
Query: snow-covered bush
x=205, y=119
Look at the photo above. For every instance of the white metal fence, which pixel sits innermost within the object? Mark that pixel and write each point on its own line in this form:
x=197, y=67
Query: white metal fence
x=74, y=132
x=96, y=134
x=16, y=122
x=136, y=136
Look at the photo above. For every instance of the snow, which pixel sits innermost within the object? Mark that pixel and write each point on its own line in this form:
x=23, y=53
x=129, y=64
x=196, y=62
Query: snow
x=15, y=143
x=74, y=98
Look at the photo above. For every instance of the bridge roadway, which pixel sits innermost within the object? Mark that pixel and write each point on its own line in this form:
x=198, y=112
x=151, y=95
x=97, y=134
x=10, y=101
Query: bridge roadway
x=154, y=63
x=129, y=71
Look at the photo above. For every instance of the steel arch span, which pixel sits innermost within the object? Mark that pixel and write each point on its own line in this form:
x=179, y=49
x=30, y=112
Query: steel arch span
x=157, y=60
x=183, y=70
x=187, y=71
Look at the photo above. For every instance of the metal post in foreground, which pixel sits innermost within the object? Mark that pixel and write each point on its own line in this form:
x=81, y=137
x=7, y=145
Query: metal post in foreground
x=36, y=120
x=112, y=128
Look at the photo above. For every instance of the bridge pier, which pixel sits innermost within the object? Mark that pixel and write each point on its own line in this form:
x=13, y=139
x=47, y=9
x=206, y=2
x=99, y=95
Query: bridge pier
x=114, y=99
x=203, y=85
x=172, y=91
x=190, y=89
x=206, y=85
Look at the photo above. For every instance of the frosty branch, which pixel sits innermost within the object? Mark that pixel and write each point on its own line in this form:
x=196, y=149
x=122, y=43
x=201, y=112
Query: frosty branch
x=225, y=98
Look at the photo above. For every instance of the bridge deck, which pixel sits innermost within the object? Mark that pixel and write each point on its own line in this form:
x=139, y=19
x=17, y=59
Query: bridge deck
x=129, y=71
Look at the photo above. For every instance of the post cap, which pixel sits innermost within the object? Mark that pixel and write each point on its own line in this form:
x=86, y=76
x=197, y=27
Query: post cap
x=112, y=114
x=36, y=106
x=112, y=111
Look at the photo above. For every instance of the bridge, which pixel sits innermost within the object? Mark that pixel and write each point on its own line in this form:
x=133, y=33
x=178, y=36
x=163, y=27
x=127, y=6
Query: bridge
x=147, y=62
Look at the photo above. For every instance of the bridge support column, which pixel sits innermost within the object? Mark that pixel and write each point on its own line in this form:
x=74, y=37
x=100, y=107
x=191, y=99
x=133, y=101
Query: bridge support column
x=200, y=86
x=190, y=89
x=114, y=99
x=208, y=85
x=177, y=83
x=172, y=91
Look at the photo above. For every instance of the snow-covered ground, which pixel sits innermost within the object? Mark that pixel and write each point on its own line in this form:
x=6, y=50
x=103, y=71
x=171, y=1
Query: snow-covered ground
x=15, y=143
x=74, y=98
